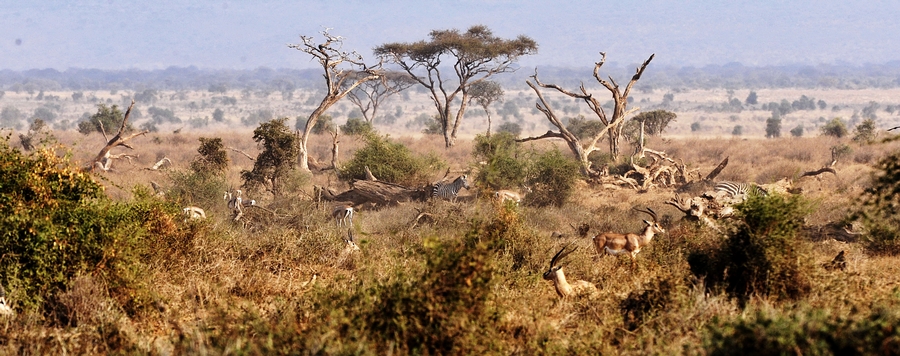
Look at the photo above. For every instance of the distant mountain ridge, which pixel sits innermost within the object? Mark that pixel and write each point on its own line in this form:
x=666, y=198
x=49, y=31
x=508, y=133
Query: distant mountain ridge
x=729, y=76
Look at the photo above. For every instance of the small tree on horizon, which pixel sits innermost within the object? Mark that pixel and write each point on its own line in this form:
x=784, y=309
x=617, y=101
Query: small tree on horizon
x=835, y=127
x=475, y=55
x=773, y=127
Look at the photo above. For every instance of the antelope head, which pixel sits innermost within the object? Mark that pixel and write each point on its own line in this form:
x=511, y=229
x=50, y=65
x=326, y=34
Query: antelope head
x=654, y=226
x=554, y=270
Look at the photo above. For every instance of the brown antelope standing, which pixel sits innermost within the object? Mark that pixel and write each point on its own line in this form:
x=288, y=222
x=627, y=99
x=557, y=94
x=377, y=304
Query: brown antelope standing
x=501, y=196
x=615, y=243
x=343, y=214
x=563, y=288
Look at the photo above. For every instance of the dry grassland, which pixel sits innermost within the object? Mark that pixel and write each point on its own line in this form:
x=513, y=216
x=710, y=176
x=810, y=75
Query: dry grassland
x=228, y=289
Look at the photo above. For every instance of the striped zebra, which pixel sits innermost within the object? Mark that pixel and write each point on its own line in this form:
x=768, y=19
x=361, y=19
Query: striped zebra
x=450, y=190
x=735, y=189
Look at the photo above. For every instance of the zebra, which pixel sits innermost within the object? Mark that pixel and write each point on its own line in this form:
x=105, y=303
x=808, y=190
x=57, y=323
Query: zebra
x=735, y=189
x=450, y=190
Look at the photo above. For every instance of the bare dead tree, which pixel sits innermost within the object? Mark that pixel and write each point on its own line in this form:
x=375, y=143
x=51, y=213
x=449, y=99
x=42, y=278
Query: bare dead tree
x=104, y=158
x=334, y=148
x=369, y=95
x=341, y=73
x=612, y=125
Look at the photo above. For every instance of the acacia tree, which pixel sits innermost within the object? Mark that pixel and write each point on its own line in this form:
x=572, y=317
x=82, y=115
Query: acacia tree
x=486, y=93
x=475, y=55
x=342, y=75
x=372, y=93
x=613, y=125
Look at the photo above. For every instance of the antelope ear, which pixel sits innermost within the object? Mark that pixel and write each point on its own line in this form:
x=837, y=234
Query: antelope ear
x=648, y=223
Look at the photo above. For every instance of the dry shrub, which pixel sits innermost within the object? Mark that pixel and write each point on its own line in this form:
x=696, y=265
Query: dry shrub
x=86, y=302
x=807, y=331
x=762, y=254
x=777, y=171
x=641, y=305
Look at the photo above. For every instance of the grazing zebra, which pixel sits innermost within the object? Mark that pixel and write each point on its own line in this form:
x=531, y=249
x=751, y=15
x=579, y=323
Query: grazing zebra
x=450, y=190
x=735, y=189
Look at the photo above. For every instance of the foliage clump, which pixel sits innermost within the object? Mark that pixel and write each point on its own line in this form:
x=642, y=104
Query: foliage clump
x=641, y=305
x=212, y=159
x=58, y=224
x=277, y=159
x=835, y=127
x=655, y=123
x=878, y=211
x=762, y=254
x=865, y=132
x=583, y=128
x=444, y=310
x=106, y=119
x=356, y=126
x=391, y=162
x=551, y=178
x=808, y=332
x=500, y=166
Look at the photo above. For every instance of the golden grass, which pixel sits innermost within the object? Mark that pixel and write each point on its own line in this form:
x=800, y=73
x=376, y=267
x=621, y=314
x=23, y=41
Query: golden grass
x=226, y=275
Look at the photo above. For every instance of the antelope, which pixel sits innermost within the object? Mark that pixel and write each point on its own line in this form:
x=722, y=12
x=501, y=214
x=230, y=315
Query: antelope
x=193, y=212
x=5, y=309
x=343, y=214
x=501, y=196
x=563, y=288
x=614, y=243
x=351, y=244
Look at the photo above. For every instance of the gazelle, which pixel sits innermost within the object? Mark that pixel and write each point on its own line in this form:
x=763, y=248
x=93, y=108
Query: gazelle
x=563, y=288
x=615, y=243
x=501, y=196
x=193, y=212
x=351, y=243
x=5, y=309
x=343, y=214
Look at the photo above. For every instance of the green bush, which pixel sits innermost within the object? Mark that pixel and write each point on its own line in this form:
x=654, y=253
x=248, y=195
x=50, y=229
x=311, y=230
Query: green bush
x=773, y=127
x=278, y=157
x=879, y=206
x=806, y=332
x=109, y=117
x=762, y=254
x=391, y=162
x=510, y=127
x=213, y=157
x=499, y=166
x=583, y=128
x=551, y=177
x=356, y=126
x=58, y=224
x=835, y=127
x=865, y=132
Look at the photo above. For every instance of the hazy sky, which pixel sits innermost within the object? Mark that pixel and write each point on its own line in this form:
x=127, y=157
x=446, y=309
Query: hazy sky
x=122, y=34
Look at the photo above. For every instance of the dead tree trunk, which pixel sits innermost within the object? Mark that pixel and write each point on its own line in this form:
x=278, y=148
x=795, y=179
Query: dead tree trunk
x=334, y=149
x=613, y=125
x=339, y=82
x=377, y=193
x=103, y=160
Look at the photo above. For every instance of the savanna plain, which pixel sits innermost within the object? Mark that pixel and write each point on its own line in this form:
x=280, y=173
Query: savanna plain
x=101, y=263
